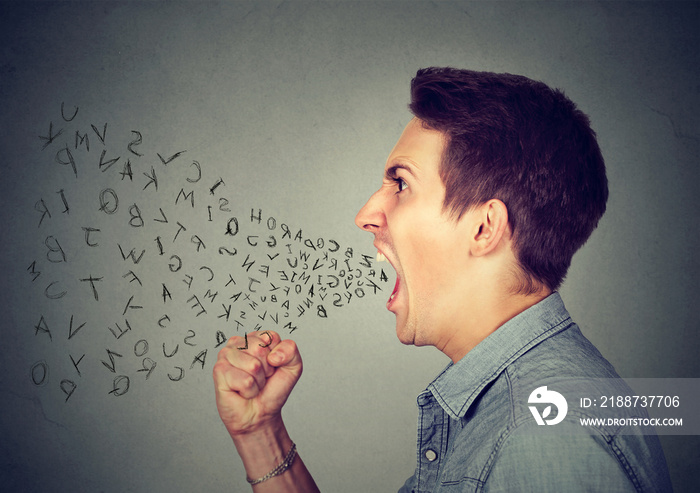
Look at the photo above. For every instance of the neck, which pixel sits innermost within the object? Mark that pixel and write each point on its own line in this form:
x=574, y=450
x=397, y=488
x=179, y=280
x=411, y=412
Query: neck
x=482, y=314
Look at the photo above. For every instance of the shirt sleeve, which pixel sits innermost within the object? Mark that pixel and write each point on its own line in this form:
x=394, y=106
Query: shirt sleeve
x=556, y=462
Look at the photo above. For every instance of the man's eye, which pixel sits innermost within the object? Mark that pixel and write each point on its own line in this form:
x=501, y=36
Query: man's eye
x=401, y=184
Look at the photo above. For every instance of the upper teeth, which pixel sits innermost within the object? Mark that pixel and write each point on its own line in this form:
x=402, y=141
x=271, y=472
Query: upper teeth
x=381, y=257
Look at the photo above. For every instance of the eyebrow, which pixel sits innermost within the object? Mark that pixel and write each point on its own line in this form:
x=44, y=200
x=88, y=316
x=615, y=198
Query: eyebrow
x=391, y=172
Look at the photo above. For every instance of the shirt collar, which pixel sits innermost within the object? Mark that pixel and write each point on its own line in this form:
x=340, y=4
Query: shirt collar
x=459, y=384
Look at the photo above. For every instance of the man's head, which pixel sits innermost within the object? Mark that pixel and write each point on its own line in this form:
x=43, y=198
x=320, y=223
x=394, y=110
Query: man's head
x=516, y=140
x=486, y=196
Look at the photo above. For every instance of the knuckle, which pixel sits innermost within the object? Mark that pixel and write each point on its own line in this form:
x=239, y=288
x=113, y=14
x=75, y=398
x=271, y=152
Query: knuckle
x=259, y=352
x=248, y=382
x=233, y=342
x=256, y=366
x=220, y=366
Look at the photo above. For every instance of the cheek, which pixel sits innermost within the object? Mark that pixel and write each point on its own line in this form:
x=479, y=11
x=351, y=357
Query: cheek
x=422, y=262
x=421, y=241
x=431, y=260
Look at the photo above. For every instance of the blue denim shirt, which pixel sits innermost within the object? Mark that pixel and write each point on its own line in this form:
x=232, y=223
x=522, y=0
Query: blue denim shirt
x=476, y=432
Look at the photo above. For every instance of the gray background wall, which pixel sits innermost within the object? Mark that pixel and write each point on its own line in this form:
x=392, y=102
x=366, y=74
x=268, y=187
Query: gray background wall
x=295, y=106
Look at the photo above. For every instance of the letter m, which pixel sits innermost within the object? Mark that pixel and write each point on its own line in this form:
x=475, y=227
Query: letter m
x=185, y=196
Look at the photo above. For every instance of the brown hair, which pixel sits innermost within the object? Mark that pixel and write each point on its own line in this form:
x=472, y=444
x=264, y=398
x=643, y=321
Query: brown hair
x=519, y=141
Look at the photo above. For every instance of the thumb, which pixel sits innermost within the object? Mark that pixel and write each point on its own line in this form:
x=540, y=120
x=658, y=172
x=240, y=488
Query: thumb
x=286, y=360
x=286, y=356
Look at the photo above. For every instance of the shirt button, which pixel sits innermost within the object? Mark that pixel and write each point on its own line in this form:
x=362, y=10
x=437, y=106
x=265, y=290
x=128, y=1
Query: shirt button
x=431, y=455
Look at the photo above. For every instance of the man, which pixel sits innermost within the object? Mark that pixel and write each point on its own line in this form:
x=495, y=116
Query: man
x=492, y=187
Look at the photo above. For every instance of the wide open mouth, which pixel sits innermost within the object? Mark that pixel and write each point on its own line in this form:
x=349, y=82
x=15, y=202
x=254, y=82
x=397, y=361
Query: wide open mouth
x=396, y=290
x=382, y=258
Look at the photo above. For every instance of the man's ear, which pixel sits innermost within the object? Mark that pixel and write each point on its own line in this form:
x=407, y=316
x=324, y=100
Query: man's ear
x=490, y=227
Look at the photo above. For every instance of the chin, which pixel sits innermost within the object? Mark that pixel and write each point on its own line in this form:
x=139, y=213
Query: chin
x=404, y=334
x=406, y=341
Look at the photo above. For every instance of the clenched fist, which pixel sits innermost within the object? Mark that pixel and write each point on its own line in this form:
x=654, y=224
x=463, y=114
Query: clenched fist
x=253, y=376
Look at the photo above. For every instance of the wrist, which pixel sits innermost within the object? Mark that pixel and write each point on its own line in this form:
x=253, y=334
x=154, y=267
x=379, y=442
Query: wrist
x=281, y=468
x=263, y=449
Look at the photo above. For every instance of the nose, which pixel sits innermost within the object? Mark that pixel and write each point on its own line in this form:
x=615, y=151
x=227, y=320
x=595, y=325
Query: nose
x=371, y=216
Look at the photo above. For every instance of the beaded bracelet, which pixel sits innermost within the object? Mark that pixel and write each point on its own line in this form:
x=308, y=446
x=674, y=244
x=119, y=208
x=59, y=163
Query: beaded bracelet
x=286, y=463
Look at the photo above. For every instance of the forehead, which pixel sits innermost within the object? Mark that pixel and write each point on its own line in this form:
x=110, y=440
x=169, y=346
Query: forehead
x=419, y=146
